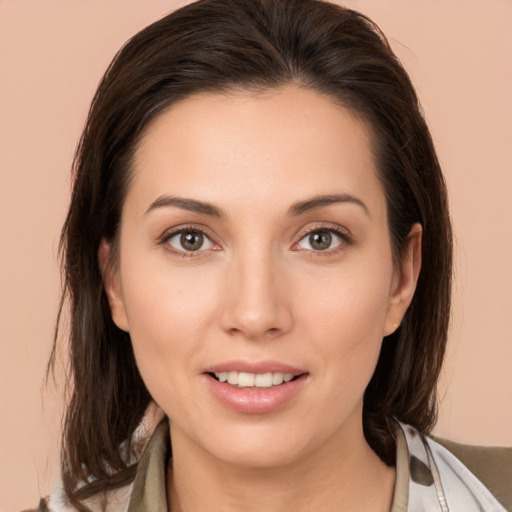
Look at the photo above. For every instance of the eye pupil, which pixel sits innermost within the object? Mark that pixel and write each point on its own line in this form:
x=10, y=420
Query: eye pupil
x=320, y=240
x=192, y=241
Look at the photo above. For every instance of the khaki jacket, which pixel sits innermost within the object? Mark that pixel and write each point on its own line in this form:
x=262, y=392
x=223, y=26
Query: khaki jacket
x=433, y=475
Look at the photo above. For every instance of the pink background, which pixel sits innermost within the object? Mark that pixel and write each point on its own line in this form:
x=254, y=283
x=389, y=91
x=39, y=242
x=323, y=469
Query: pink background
x=52, y=54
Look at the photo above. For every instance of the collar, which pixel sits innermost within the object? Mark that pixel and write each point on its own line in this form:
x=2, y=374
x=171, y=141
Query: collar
x=437, y=480
x=149, y=486
x=429, y=478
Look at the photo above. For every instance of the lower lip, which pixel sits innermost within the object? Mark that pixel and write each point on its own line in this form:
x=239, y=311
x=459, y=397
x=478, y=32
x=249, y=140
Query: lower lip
x=256, y=400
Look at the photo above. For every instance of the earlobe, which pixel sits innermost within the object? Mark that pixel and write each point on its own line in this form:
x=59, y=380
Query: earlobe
x=112, y=285
x=404, y=280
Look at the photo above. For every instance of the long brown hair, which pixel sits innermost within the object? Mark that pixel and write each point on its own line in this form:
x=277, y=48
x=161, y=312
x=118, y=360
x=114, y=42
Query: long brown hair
x=217, y=46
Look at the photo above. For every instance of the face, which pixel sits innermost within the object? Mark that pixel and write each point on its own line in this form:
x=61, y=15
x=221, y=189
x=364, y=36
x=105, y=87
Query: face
x=254, y=247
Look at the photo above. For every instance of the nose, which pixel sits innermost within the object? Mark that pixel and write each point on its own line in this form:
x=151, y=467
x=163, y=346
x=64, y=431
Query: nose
x=257, y=303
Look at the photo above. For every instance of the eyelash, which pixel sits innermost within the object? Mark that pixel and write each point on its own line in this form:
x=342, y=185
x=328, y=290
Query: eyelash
x=344, y=237
x=345, y=240
x=185, y=229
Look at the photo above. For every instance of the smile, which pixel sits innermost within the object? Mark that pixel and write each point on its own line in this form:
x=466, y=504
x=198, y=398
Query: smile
x=256, y=380
x=261, y=388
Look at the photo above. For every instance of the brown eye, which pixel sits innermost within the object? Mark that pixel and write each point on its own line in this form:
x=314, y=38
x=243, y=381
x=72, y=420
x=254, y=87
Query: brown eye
x=322, y=240
x=189, y=241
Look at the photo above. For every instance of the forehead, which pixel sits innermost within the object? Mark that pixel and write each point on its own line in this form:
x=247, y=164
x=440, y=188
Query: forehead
x=259, y=148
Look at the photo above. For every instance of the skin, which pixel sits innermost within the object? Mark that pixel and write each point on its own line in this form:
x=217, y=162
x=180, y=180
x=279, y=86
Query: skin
x=257, y=289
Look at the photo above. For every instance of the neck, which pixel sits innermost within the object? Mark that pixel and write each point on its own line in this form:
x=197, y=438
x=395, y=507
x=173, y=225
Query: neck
x=336, y=476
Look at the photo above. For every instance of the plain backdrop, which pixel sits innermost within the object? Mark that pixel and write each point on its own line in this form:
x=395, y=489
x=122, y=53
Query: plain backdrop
x=52, y=55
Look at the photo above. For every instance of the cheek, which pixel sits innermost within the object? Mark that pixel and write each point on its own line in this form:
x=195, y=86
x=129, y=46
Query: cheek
x=161, y=298
x=352, y=302
x=344, y=315
x=348, y=336
x=168, y=313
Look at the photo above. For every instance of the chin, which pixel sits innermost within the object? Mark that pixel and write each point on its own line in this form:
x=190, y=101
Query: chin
x=260, y=446
x=257, y=455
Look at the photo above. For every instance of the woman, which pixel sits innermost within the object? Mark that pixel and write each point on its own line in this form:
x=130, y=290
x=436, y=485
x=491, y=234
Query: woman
x=259, y=242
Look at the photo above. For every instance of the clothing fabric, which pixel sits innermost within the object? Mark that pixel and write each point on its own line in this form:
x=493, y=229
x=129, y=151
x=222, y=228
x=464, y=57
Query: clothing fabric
x=429, y=478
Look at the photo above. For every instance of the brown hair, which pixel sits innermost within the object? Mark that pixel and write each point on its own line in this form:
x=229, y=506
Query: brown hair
x=217, y=46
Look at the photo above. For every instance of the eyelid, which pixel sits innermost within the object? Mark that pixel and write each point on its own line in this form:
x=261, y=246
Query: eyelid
x=337, y=230
x=343, y=233
x=176, y=230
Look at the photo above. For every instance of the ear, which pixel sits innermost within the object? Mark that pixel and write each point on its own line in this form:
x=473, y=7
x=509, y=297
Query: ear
x=112, y=283
x=404, y=281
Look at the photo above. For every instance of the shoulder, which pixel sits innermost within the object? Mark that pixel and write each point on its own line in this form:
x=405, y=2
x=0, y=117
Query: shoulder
x=490, y=464
x=116, y=500
x=43, y=507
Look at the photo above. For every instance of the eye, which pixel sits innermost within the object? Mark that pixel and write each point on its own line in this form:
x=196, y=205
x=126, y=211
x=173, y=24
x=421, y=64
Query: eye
x=322, y=240
x=189, y=240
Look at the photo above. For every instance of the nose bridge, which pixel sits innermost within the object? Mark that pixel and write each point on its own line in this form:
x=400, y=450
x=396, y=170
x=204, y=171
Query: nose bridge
x=256, y=303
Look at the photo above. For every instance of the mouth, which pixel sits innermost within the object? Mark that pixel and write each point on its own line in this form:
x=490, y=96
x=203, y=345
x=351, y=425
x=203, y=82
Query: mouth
x=256, y=387
x=254, y=380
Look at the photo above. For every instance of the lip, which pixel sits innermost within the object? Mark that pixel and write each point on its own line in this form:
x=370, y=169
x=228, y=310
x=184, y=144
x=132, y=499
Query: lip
x=254, y=367
x=255, y=400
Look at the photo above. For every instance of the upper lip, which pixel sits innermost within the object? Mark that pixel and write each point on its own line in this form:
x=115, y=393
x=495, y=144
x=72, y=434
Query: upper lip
x=254, y=367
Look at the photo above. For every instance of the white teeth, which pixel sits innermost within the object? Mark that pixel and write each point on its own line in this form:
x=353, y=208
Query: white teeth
x=263, y=380
x=246, y=379
x=277, y=378
x=258, y=380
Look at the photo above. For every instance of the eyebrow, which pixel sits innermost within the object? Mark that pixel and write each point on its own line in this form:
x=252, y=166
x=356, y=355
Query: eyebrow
x=317, y=202
x=296, y=209
x=192, y=205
